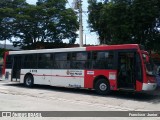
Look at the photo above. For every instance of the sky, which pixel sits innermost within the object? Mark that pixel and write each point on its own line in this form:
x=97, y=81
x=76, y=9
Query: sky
x=91, y=38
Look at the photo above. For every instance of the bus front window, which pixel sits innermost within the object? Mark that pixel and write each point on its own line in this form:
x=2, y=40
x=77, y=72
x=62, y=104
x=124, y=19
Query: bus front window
x=149, y=65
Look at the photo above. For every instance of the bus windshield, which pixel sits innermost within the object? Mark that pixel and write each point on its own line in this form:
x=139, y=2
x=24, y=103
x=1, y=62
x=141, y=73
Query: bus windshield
x=149, y=65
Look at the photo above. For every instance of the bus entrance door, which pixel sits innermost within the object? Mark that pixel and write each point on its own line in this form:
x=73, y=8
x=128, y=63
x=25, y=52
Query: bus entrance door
x=126, y=70
x=16, y=68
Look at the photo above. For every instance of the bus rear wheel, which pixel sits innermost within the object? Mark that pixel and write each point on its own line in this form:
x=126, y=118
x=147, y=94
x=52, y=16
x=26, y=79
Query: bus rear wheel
x=102, y=86
x=28, y=81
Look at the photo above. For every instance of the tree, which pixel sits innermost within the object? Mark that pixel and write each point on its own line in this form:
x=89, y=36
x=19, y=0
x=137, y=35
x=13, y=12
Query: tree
x=145, y=23
x=7, y=12
x=5, y=23
x=94, y=17
x=126, y=21
x=47, y=21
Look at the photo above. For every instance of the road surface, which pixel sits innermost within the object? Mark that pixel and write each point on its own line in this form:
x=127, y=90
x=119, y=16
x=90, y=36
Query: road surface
x=16, y=97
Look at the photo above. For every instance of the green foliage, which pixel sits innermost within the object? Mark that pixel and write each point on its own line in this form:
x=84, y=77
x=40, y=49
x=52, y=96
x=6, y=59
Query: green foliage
x=126, y=21
x=47, y=21
x=2, y=50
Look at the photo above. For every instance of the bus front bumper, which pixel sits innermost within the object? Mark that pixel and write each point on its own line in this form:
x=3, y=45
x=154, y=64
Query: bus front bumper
x=149, y=86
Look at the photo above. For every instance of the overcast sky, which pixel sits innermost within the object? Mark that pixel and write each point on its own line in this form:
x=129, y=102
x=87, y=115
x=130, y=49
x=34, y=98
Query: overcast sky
x=91, y=38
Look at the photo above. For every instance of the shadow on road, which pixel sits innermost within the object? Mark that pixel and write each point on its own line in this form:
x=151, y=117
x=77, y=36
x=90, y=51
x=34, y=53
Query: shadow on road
x=153, y=97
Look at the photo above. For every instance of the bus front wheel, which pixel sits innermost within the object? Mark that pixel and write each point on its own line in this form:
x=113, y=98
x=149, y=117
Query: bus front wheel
x=28, y=81
x=102, y=86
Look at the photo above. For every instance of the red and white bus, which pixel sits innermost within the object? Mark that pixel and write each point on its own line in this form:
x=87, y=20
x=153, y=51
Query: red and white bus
x=103, y=68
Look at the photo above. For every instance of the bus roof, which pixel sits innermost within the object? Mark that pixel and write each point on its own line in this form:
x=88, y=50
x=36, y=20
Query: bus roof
x=114, y=47
x=89, y=48
x=48, y=50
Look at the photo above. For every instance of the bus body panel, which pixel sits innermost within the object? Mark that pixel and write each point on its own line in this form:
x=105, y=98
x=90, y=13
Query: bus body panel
x=41, y=76
x=149, y=86
x=65, y=78
x=47, y=51
x=4, y=65
x=68, y=78
x=91, y=75
x=138, y=85
x=112, y=47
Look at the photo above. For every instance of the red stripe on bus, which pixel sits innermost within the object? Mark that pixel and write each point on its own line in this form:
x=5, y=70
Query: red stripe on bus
x=56, y=75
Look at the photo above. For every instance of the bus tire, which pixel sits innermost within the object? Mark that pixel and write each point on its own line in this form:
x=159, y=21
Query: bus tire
x=28, y=81
x=102, y=86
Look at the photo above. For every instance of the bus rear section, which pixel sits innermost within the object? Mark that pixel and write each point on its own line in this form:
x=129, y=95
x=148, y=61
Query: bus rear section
x=103, y=68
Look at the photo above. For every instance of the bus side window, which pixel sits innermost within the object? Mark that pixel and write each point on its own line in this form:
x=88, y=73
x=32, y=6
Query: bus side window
x=30, y=61
x=62, y=61
x=102, y=60
x=44, y=60
x=79, y=60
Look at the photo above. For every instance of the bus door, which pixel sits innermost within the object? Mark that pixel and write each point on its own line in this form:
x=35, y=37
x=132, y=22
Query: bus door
x=16, y=68
x=126, y=70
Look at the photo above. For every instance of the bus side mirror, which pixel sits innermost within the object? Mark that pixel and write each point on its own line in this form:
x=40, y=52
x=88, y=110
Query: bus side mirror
x=145, y=58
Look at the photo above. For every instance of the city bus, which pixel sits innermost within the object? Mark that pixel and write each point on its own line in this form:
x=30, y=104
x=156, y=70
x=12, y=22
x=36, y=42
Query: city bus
x=102, y=68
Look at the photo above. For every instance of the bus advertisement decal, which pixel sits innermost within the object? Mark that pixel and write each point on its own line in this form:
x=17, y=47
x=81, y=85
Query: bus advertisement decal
x=112, y=76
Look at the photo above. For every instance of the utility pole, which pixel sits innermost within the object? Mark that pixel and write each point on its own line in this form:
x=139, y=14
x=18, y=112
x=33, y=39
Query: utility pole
x=5, y=44
x=80, y=25
x=85, y=40
x=77, y=5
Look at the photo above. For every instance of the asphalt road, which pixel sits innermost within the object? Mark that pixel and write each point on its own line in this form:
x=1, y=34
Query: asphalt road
x=16, y=97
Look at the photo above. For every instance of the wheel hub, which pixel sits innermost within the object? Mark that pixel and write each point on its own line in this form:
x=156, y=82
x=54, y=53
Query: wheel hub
x=103, y=86
x=28, y=81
